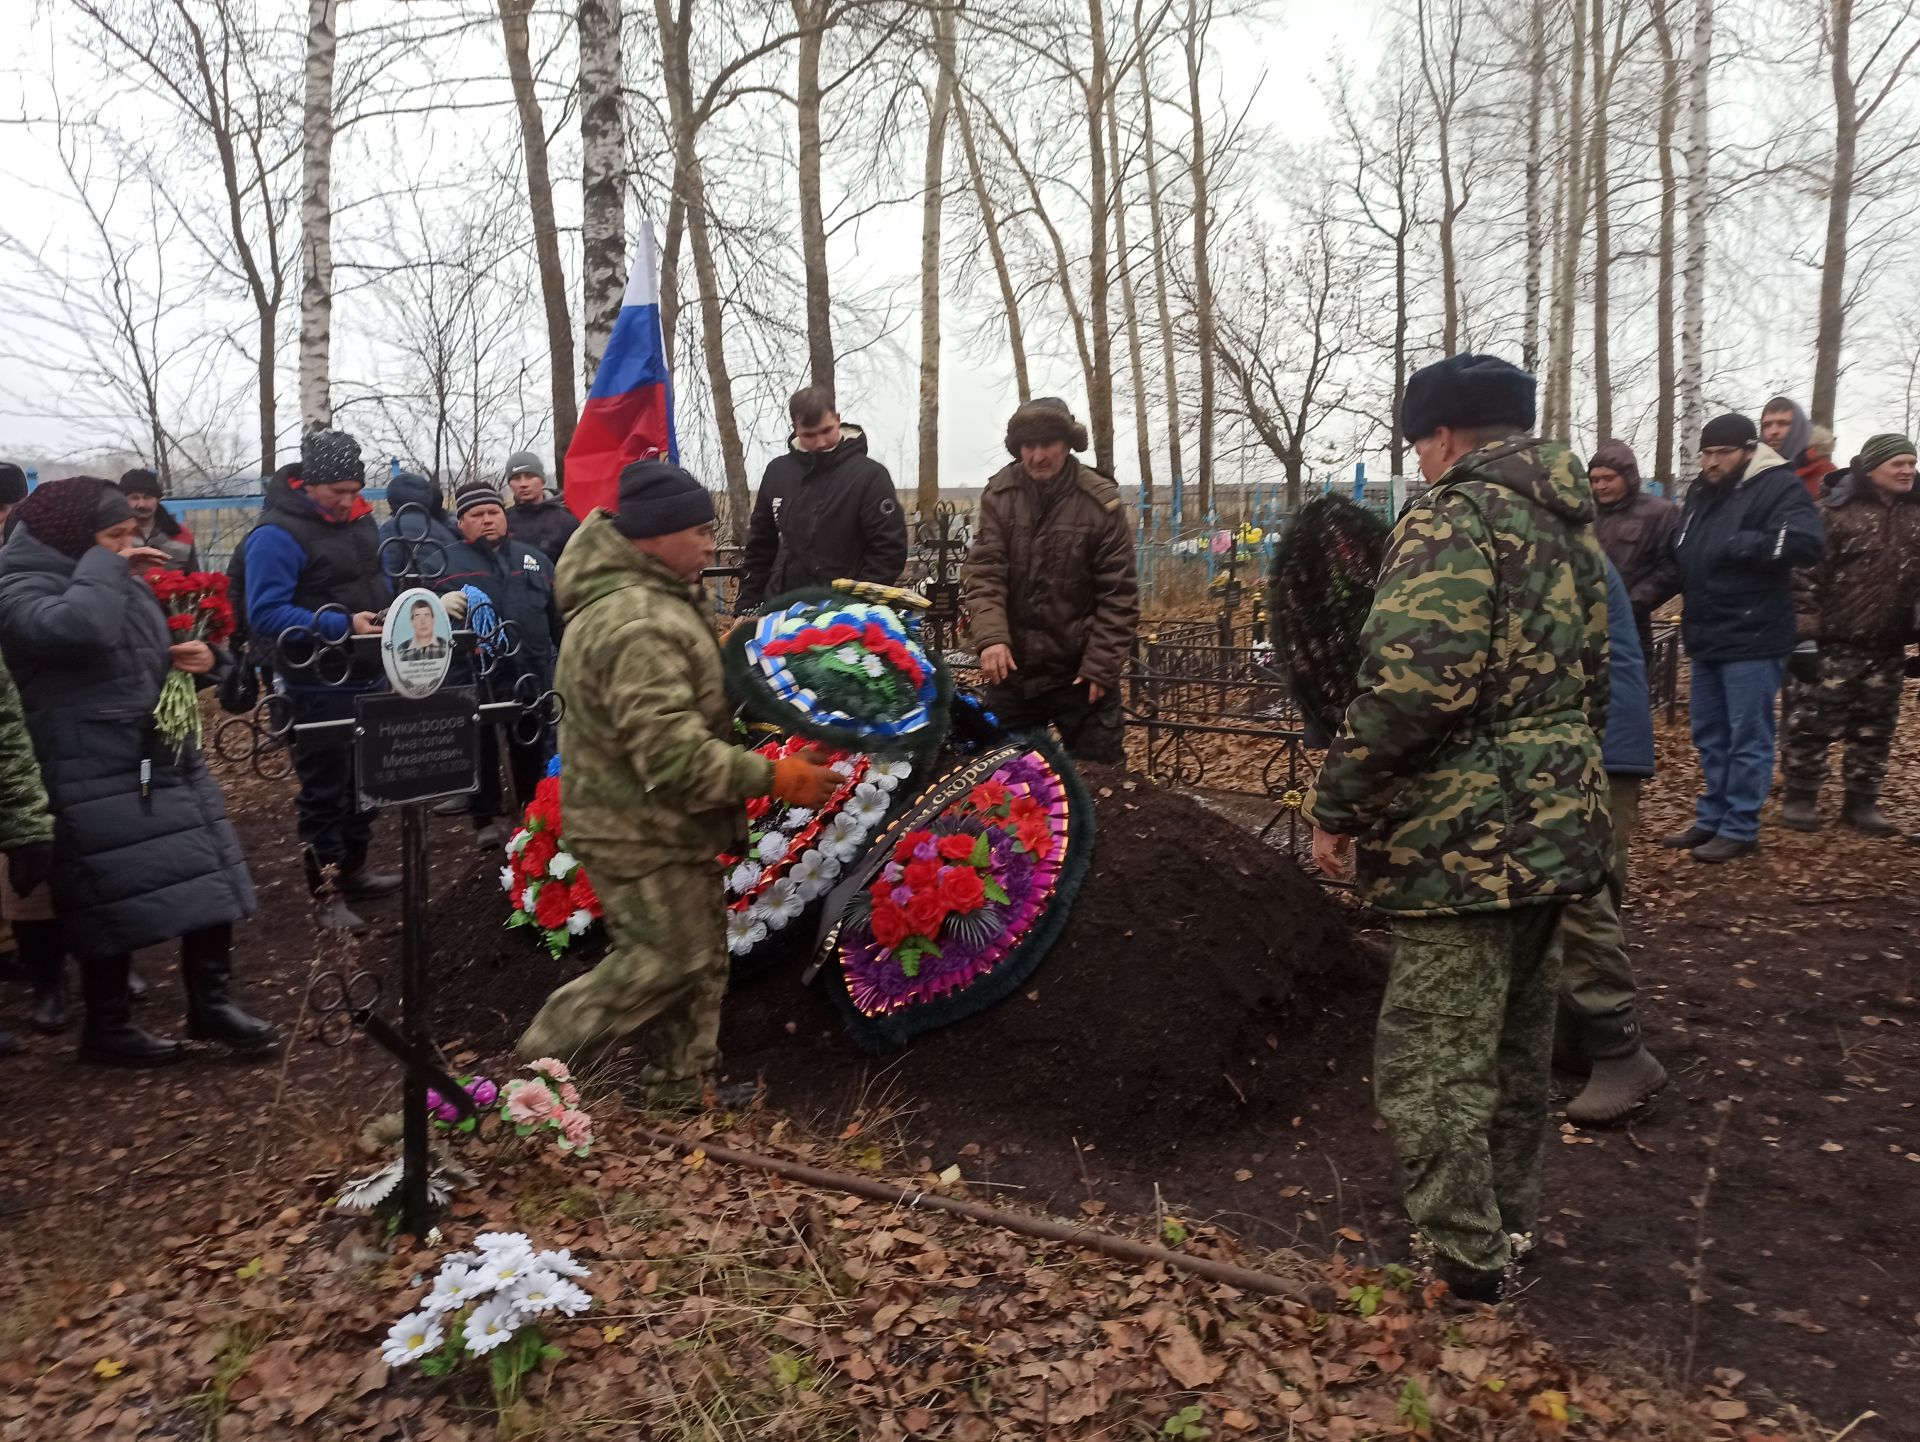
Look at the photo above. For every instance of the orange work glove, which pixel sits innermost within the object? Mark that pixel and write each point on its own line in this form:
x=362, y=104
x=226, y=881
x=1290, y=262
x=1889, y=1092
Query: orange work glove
x=800, y=780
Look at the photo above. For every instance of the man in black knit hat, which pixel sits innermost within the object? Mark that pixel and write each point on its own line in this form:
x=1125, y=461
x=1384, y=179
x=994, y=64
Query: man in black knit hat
x=158, y=528
x=1746, y=523
x=13, y=488
x=1051, y=589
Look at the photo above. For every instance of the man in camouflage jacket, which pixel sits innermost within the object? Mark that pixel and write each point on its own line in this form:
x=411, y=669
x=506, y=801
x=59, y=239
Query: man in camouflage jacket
x=1469, y=769
x=652, y=791
x=26, y=824
x=1854, y=610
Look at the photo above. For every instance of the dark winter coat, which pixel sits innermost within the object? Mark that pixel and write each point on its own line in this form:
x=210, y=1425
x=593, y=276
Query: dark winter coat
x=518, y=579
x=1862, y=591
x=1626, y=747
x=547, y=526
x=1735, y=552
x=1051, y=577
x=1637, y=534
x=821, y=517
x=87, y=645
x=408, y=489
x=175, y=539
x=296, y=560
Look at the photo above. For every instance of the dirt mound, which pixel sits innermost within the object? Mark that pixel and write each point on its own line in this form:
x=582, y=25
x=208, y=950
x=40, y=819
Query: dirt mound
x=1200, y=975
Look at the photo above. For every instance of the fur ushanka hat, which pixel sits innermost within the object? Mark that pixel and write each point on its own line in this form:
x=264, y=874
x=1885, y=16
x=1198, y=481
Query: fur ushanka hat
x=1046, y=418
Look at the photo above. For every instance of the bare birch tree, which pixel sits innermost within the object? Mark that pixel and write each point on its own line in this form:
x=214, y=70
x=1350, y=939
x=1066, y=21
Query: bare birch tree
x=316, y=216
x=1193, y=37
x=1693, y=323
x=603, y=176
x=939, y=108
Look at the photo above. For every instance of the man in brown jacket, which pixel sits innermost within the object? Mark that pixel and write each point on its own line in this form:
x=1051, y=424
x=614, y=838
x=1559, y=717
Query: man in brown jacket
x=1050, y=586
x=1635, y=530
x=1855, y=611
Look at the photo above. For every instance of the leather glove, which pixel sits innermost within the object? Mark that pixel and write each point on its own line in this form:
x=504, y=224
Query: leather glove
x=1804, y=663
x=800, y=780
x=30, y=866
x=456, y=604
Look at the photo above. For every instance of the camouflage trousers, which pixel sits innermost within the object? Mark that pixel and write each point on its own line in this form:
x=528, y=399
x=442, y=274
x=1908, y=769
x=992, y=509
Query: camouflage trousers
x=1597, y=989
x=1857, y=697
x=1462, y=1060
x=666, y=963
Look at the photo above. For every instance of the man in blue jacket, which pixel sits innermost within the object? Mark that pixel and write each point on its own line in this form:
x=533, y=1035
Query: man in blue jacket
x=1598, y=1034
x=1747, y=522
x=518, y=579
x=317, y=545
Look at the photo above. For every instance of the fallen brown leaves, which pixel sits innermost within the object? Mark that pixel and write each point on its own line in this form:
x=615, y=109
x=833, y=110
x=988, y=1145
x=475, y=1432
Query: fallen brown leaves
x=733, y=1304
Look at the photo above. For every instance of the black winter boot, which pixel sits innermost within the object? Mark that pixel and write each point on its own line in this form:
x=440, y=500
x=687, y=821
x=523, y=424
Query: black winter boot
x=1800, y=809
x=136, y=985
x=206, y=965
x=45, y=959
x=108, y=1036
x=1861, y=811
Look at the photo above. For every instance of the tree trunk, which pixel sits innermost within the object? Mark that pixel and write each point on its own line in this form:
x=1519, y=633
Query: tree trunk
x=1663, y=463
x=1602, y=232
x=1142, y=434
x=932, y=204
x=1169, y=377
x=990, y=224
x=316, y=217
x=809, y=17
x=546, y=230
x=603, y=165
x=1193, y=38
x=1559, y=425
x=1099, y=279
x=1833, y=267
x=1693, y=328
x=692, y=192
x=1536, y=233
x=1449, y=208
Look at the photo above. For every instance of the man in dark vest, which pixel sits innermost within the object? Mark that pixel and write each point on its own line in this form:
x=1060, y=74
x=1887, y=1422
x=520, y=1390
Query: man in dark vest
x=317, y=545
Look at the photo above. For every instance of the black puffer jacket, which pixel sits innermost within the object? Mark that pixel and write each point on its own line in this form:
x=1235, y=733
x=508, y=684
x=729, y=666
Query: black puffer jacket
x=518, y=579
x=87, y=644
x=821, y=517
x=547, y=526
x=1735, y=550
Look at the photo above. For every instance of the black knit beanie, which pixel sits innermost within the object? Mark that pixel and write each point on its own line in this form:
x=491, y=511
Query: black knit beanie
x=658, y=498
x=1728, y=430
x=476, y=493
x=141, y=482
x=13, y=484
x=329, y=457
x=1467, y=391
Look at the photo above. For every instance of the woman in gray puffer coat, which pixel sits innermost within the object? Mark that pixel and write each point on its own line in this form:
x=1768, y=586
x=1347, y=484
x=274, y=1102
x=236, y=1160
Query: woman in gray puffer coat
x=143, y=850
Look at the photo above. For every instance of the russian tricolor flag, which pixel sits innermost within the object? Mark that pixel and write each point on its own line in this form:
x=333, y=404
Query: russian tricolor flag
x=629, y=412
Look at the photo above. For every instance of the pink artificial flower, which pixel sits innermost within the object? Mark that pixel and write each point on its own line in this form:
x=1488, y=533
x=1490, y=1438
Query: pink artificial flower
x=570, y=1094
x=551, y=1068
x=578, y=1127
x=529, y=1103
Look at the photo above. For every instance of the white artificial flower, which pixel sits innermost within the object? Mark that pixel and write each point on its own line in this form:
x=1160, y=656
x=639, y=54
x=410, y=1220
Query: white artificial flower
x=814, y=873
x=578, y=923
x=533, y=1293
x=571, y=1300
x=773, y=847
x=519, y=841
x=562, y=1264
x=739, y=931
x=889, y=774
x=743, y=877
x=796, y=818
x=492, y=1322
x=867, y=806
x=846, y=766
x=849, y=655
x=783, y=901
x=456, y=1286
x=561, y=865
x=872, y=664
x=506, y=878
x=490, y=1243
x=411, y=1338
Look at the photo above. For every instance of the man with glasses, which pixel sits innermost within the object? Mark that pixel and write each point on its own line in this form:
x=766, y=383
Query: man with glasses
x=1746, y=523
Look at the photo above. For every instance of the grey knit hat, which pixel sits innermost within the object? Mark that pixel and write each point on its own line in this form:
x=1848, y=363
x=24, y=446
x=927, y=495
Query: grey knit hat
x=524, y=463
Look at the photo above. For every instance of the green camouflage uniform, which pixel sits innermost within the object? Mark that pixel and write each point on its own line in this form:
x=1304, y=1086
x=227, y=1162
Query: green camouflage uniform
x=24, y=816
x=1469, y=769
x=1856, y=698
x=652, y=793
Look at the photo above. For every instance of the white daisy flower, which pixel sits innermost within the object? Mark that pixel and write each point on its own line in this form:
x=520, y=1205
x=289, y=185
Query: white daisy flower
x=739, y=931
x=562, y=1264
x=773, y=847
x=797, y=817
x=491, y=1243
x=579, y=922
x=872, y=664
x=571, y=1300
x=492, y=1322
x=534, y=1292
x=453, y=1288
x=561, y=865
x=503, y=1269
x=849, y=655
x=412, y=1337
x=783, y=901
x=743, y=877
x=506, y=878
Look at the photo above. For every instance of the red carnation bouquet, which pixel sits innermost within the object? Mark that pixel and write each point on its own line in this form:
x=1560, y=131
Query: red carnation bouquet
x=197, y=610
x=548, y=887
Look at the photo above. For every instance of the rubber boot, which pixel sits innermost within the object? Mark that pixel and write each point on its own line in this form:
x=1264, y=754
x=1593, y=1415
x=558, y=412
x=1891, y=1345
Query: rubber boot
x=1799, y=810
x=364, y=885
x=331, y=913
x=108, y=1036
x=1617, y=1088
x=1861, y=811
x=1568, y=1054
x=45, y=959
x=206, y=966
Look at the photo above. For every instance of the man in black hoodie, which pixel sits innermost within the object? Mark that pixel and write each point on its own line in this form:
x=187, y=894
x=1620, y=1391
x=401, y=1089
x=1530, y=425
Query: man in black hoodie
x=826, y=510
x=1747, y=522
